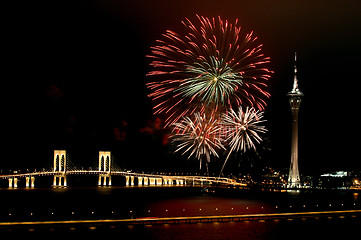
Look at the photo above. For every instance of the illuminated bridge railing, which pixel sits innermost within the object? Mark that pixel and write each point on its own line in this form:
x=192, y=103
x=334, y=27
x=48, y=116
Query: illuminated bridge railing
x=155, y=179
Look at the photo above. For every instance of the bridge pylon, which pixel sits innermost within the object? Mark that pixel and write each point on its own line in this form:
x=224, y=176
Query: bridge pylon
x=59, y=168
x=105, y=168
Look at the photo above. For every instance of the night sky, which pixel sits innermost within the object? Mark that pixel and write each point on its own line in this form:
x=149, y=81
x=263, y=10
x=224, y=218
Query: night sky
x=75, y=80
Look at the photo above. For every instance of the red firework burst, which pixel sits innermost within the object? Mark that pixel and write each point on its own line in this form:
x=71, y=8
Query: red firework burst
x=209, y=68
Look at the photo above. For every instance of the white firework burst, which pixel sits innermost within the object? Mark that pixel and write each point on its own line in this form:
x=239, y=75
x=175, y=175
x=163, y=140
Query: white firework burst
x=198, y=136
x=242, y=130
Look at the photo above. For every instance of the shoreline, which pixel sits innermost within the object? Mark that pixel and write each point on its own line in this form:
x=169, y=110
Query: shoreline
x=186, y=220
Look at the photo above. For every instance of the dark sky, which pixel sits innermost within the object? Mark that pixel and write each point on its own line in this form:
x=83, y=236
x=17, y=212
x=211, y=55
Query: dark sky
x=76, y=78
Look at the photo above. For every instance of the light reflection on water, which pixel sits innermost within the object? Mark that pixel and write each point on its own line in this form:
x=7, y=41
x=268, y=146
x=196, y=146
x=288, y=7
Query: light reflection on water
x=311, y=228
x=231, y=230
x=104, y=203
x=206, y=206
x=283, y=229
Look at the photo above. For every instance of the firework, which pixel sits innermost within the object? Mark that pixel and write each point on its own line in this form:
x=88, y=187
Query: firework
x=242, y=130
x=209, y=68
x=199, y=137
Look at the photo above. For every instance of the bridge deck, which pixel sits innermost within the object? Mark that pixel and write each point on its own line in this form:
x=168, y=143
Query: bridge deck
x=215, y=180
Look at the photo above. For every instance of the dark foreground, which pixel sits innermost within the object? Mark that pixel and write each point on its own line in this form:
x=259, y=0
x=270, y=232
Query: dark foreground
x=153, y=203
x=346, y=227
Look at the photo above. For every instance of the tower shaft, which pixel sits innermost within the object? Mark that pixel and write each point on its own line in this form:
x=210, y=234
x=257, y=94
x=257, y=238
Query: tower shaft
x=294, y=174
x=295, y=101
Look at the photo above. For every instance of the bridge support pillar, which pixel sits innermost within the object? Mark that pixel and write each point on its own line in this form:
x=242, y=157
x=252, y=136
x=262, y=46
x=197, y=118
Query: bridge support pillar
x=159, y=181
x=151, y=181
x=60, y=181
x=180, y=181
x=145, y=181
x=104, y=180
x=140, y=181
x=30, y=181
x=13, y=182
x=129, y=180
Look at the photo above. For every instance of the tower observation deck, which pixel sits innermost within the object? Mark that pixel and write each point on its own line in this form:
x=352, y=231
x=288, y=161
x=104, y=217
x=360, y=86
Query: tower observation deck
x=295, y=96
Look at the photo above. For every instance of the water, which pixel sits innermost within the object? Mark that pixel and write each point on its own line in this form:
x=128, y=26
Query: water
x=45, y=204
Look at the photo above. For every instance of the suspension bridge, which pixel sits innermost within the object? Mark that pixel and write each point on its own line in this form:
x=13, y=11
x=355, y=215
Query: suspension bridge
x=60, y=171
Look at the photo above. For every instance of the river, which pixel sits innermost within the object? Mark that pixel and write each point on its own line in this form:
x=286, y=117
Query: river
x=72, y=203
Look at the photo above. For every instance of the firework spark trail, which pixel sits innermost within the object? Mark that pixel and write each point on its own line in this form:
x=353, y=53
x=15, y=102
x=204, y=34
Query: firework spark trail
x=198, y=136
x=210, y=66
x=242, y=130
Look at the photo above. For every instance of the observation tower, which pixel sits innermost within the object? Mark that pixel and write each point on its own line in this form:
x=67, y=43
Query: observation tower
x=295, y=96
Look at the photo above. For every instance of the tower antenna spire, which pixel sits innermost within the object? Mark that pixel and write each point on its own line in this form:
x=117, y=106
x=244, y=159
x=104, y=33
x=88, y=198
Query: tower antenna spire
x=295, y=80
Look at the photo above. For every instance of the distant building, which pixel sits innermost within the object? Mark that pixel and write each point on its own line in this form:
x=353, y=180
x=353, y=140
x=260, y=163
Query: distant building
x=335, y=180
x=335, y=174
x=272, y=179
